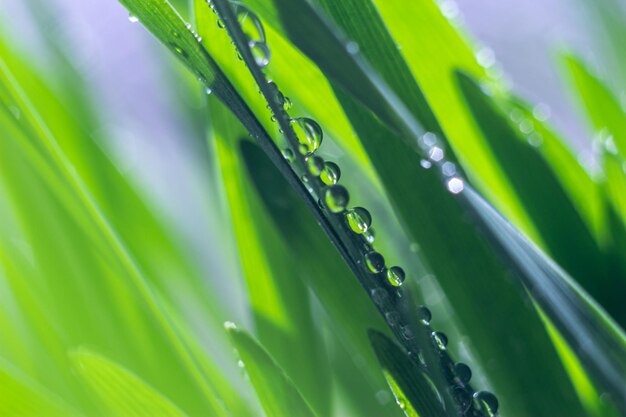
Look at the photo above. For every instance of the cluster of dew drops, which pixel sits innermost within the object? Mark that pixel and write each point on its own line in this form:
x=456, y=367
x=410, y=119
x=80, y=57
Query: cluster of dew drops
x=335, y=197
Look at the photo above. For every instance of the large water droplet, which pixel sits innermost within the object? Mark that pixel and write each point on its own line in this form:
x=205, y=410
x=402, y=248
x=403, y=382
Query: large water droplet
x=440, y=339
x=250, y=24
x=488, y=402
x=359, y=219
x=424, y=314
x=330, y=174
x=261, y=53
x=309, y=134
x=395, y=275
x=336, y=198
x=375, y=262
x=315, y=165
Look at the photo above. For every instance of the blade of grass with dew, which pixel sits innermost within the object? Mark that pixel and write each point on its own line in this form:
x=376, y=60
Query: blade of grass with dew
x=276, y=391
x=412, y=388
x=476, y=282
x=349, y=310
x=106, y=258
x=566, y=236
x=120, y=392
x=279, y=300
x=309, y=29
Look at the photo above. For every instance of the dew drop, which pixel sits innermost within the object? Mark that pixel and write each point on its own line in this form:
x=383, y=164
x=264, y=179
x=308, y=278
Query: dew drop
x=448, y=169
x=407, y=333
x=261, y=53
x=330, y=174
x=435, y=154
x=375, y=262
x=488, y=402
x=426, y=164
x=288, y=154
x=424, y=314
x=309, y=134
x=463, y=398
x=369, y=236
x=133, y=18
x=463, y=372
x=336, y=198
x=455, y=185
x=359, y=220
x=180, y=51
x=395, y=275
x=287, y=103
x=208, y=91
x=440, y=339
x=220, y=24
x=175, y=34
x=485, y=57
x=315, y=165
x=352, y=47
x=542, y=112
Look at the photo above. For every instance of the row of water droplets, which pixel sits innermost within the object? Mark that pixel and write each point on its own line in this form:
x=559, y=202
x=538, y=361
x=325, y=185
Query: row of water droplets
x=334, y=198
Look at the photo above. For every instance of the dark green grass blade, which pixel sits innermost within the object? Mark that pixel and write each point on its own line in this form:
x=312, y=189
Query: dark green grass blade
x=596, y=339
x=476, y=281
x=405, y=374
x=562, y=230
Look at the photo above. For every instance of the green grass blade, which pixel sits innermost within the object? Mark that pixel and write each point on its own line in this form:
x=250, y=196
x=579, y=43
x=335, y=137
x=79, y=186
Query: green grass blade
x=120, y=392
x=411, y=385
x=275, y=389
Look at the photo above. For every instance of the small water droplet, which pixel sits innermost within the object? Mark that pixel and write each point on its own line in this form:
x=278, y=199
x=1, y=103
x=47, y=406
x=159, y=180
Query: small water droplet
x=407, y=333
x=369, y=236
x=188, y=26
x=436, y=154
x=208, y=91
x=486, y=57
x=315, y=165
x=359, y=220
x=526, y=126
x=352, y=47
x=273, y=118
x=401, y=403
x=395, y=275
x=336, y=198
x=463, y=398
x=180, y=51
x=133, y=18
x=309, y=134
x=448, y=169
x=383, y=397
x=288, y=154
x=287, y=103
x=455, y=185
x=392, y=318
x=175, y=34
x=440, y=339
x=330, y=174
x=542, y=112
x=463, y=372
x=375, y=262
x=229, y=325
x=220, y=24
x=488, y=402
x=424, y=314
x=379, y=296
x=426, y=164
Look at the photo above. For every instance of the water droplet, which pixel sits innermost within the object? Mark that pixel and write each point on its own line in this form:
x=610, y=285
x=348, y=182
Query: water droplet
x=315, y=165
x=425, y=164
x=463, y=372
x=369, y=236
x=188, y=26
x=440, y=339
x=330, y=174
x=383, y=397
x=352, y=47
x=542, y=112
x=407, y=333
x=380, y=296
x=229, y=325
x=336, y=198
x=220, y=24
x=429, y=139
x=309, y=134
x=455, y=185
x=175, y=34
x=424, y=314
x=401, y=402
x=488, y=402
x=436, y=154
x=449, y=8
x=288, y=154
x=359, y=220
x=132, y=18
x=287, y=103
x=241, y=364
x=375, y=262
x=395, y=275
x=273, y=118
x=448, y=169
x=208, y=91
x=463, y=398
x=486, y=57
x=392, y=318
x=180, y=51
x=261, y=53
x=526, y=126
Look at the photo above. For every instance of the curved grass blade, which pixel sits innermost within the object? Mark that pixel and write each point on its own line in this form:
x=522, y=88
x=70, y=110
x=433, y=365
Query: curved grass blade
x=119, y=391
x=596, y=339
x=274, y=388
x=409, y=383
